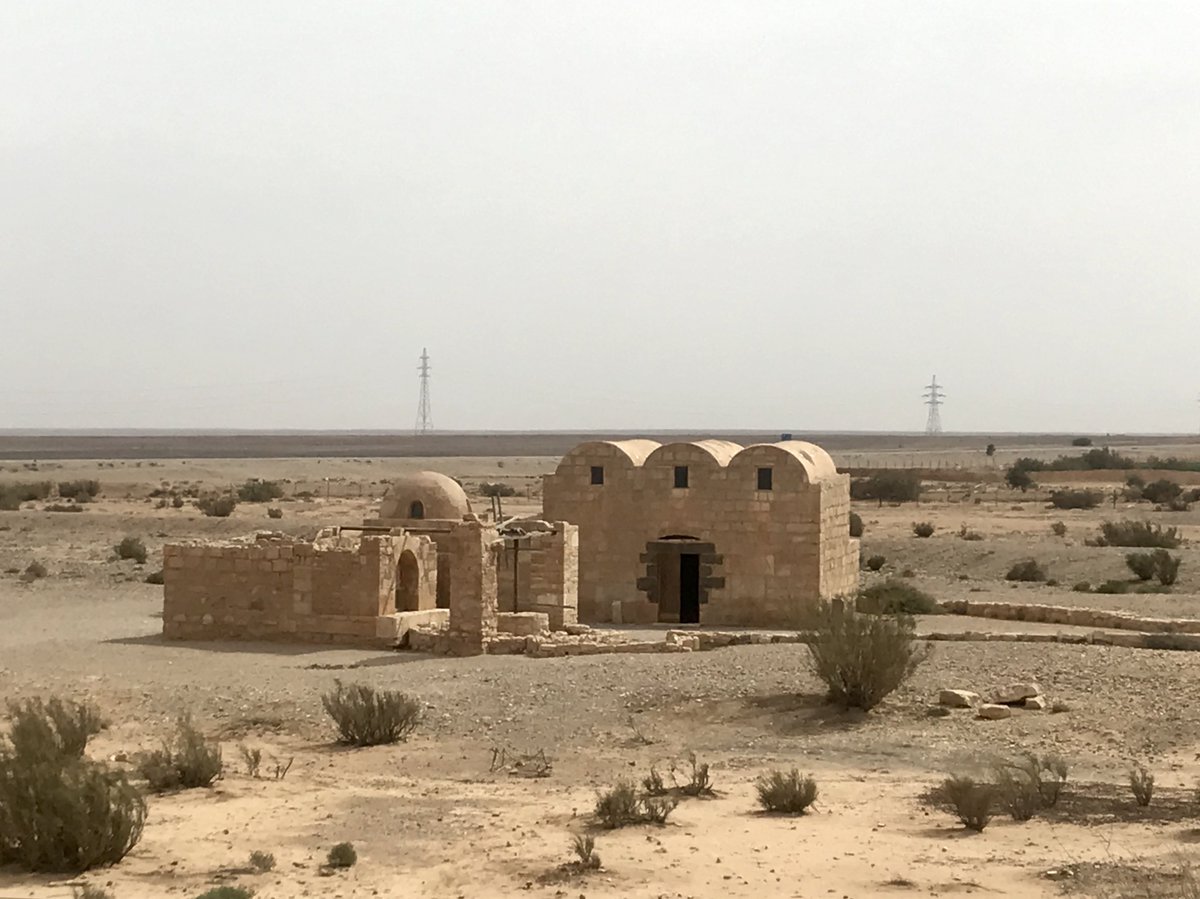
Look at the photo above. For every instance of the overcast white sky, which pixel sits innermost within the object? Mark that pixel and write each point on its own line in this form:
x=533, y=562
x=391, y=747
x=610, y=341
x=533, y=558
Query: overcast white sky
x=600, y=215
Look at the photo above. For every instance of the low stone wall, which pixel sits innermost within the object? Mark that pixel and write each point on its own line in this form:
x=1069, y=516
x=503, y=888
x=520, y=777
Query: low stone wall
x=1100, y=618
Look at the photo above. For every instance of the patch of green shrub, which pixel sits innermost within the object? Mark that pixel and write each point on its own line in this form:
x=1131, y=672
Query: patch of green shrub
x=876, y=562
x=1018, y=477
x=894, y=596
x=1075, y=499
x=51, y=729
x=184, y=762
x=262, y=862
x=1159, y=563
x=343, y=855
x=12, y=495
x=1161, y=491
x=922, y=529
x=862, y=658
x=1082, y=441
x=367, y=717
x=217, y=506
x=131, y=548
x=787, y=793
x=1029, y=570
x=497, y=489
x=82, y=491
x=274, y=512
x=1112, y=586
x=1137, y=533
x=888, y=487
x=621, y=806
x=258, y=491
x=970, y=801
x=856, y=525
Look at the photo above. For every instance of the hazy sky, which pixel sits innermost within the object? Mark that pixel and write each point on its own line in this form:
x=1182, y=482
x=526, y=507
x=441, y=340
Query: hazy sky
x=600, y=215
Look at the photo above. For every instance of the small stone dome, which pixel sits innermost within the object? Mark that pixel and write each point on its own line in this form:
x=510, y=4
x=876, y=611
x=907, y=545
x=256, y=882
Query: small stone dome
x=425, y=494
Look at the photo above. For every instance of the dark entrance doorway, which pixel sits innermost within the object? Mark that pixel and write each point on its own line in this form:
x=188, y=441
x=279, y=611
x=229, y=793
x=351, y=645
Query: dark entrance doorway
x=408, y=582
x=679, y=573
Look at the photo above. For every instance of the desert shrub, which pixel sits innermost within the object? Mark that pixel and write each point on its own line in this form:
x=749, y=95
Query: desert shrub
x=367, y=717
x=699, y=782
x=342, y=855
x=82, y=491
x=893, y=597
x=656, y=809
x=258, y=491
x=1141, y=782
x=53, y=729
x=262, y=862
x=1075, y=499
x=619, y=806
x=12, y=495
x=1082, y=441
x=856, y=525
x=34, y=571
x=131, y=548
x=155, y=577
x=1113, y=587
x=1052, y=772
x=922, y=528
x=888, y=487
x=1142, y=564
x=1030, y=782
x=584, y=847
x=970, y=801
x=786, y=794
x=497, y=489
x=87, y=891
x=252, y=758
x=1159, y=563
x=184, y=762
x=653, y=783
x=63, y=507
x=1082, y=587
x=1018, y=477
x=1137, y=533
x=274, y=512
x=177, y=502
x=1178, y=505
x=965, y=533
x=863, y=658
x=1059, y=529
x=1029, y=570
x=65, y=814
x=1161, y=491
x=1018, y=793
x=876, y=562
x=59, y=811
x=217, y=505
x=227, y=892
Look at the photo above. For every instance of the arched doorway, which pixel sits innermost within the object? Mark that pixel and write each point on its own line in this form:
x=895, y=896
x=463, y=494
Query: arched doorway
x=408, y=582
x=678, y=576
x=417, y=509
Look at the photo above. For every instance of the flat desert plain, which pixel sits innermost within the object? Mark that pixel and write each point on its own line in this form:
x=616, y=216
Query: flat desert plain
x=435, y=816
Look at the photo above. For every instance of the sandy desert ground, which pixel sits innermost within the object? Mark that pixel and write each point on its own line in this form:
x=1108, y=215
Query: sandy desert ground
x=429, y=817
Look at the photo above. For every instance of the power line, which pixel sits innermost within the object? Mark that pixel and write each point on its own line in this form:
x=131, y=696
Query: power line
x=424, y=410
x=933, y=399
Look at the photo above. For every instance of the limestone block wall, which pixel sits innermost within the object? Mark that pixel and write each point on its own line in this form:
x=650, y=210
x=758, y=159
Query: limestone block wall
x=276, y=588
x=765, y=555
x=473, y=550
x=539, y=572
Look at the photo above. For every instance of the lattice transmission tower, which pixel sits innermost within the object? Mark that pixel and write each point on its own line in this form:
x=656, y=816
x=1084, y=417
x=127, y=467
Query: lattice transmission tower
x=933, y=399
x=424, y=410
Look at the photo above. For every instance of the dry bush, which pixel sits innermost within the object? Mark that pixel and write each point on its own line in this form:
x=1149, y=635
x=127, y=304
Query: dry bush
x=863, y=658
x=343, y=855
x=12, y=495
x=856, y=525
x=1059, y=529
x=131, y=548
x=366, y=717
x=34, y=571
x=1141, y=782
x=258, y=491
x=1029, y=570
x=217, y=506
x=621, y=806
x=656, y=809
x=59, y=811
x=970, y=801
x=1083, y=587
x=262, y=862
x=1141, y=564
x=584, y=847
x=1159, y=563
x=1075, y=499
x=155, y=577
x=1137, y=533
x=252, y=758
x=185, y=762
x=653, y=784
x=965, y=533
x=1161, y=491
x=1113, y=587
x=1030, y=782
x=786, y=794
x=87, y=891
x=54, y=729
x=63, y=507
x=274, y=512
x=922, y=529
x=227, y=892
x=894, y=597
x=887, y=487
x=876, y=562
x=699, y=783
x=82, y=491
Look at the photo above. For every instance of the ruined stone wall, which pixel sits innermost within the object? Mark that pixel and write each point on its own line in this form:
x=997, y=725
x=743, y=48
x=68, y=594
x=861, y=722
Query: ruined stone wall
x=473, y=550
x=276, y=588
x=765, y=555
x=539, y=572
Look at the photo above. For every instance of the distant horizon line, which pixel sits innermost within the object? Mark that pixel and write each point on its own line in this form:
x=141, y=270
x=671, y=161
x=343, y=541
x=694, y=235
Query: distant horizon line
x=625, y=432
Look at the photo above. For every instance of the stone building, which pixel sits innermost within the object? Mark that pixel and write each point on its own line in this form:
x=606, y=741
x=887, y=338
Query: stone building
x=426, y=560
x=706, y=532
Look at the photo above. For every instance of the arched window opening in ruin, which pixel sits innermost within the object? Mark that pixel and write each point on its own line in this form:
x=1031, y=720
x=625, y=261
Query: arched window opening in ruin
x=417, y=509
x=408, y=582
